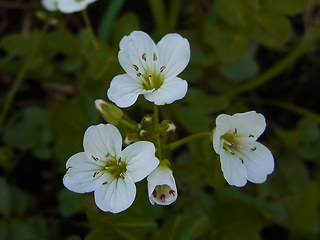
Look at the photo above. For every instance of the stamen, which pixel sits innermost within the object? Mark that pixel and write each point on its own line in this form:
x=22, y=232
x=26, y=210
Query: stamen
x=154, y=56
x=135, y=67
x=154, y=193
x=241, y=159
x=250, y=135
x=172, y=192
x=162, y=197
x=138, y=74
x=104, y=183
x=229, y=143
x=119, y=160
x=235, y=131
x=95, y=174
x=144, y=56
x=253, y=149
x=94, y=158
x=122, y=175
x=162, y=68
x=232, y=153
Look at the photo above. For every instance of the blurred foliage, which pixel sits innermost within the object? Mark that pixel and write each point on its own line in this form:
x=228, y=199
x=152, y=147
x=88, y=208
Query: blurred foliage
x=232, y=43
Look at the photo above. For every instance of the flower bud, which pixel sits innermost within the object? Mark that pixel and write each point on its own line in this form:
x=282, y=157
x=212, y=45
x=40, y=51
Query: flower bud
x=110, y=112
x=132, y=138
x=147, y=122
x=162, y=187
x=167, y=127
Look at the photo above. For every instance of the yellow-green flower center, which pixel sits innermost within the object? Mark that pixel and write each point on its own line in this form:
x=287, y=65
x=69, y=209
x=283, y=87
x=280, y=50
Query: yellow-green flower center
x=152, y=81
x=115, y=167
x=150, y=77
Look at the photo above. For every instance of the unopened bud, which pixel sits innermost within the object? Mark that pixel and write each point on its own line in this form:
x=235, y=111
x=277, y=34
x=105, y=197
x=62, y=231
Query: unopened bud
x=145, y=134
x=167, y=127
x=132, y=138
x=110, y=112
x=147, y=122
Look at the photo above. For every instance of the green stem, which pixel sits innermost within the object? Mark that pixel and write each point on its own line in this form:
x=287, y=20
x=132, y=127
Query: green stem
x=158, y=12
x=20, y=77
x=189, y=139
x=156, y=126
x=128, y=124
x=108, y=19
x=90, y=29
x=276, y=69
x=173, y=14
x=293, y=108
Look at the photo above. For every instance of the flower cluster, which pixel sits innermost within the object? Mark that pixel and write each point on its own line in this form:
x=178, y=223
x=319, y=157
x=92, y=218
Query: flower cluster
x=66, y=6
x=111, y=172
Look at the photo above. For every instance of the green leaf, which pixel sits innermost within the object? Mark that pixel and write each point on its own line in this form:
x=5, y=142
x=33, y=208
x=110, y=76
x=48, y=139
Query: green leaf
x=228, y=43
x=19, y=230
x=63, y=41
x=273, y=211
x=4, y=197
x=68, y=122
x=69, y=203
x=194, y=227
x=200, y=101
x=123, y=26
x=305, y=211
x=20, y=201
x=270, y=29
x=191, y=119
x=179, y=227
x=29, y=132
x=240, y=69
x=73, y=237
x=15, y=44
x=231, y=11
x=287, y=7
x=3, y=230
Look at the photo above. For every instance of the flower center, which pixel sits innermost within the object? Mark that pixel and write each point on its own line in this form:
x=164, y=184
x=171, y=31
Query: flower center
x=152, y=81
x=233, y=142
x=151, y=77
x=115, y=167
x=163, y=193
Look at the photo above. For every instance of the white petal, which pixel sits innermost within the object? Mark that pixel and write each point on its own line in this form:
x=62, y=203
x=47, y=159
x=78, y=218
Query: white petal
x=101, y=140
x=117, y=195
x=124, y=90
x=141, y=159
x=234, y=171
x=81, y=176
x=50, y=5
x=174, y=53
x=259, y=163
x=223, y=125
x=139, y=49
x=69, y=6
x=169, y=92
x=249, y=123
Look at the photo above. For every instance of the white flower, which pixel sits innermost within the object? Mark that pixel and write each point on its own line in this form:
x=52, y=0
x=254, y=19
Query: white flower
x=162, y=187
x=66, y=6
x=107, y=170
x=151, y=69
x=242, y=157
x=50, y=5
x=70, y=6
